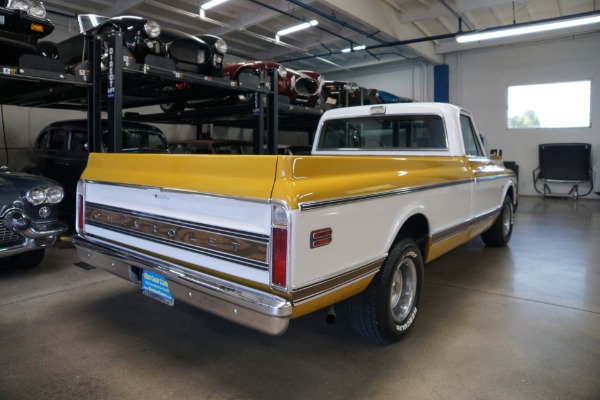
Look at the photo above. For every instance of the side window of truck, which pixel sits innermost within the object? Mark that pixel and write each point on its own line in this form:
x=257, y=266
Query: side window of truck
x=472, y=145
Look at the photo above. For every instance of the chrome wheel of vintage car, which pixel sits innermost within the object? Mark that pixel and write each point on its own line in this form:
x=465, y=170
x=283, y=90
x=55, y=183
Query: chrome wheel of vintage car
x=387, y=309
x=403, y=289
x=499, y=234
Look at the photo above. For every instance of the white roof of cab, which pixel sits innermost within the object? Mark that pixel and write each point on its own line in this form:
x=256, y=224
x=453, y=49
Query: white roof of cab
x=390, y=109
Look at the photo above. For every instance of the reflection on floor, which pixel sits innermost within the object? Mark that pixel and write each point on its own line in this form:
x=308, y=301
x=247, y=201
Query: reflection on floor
x=521, y=322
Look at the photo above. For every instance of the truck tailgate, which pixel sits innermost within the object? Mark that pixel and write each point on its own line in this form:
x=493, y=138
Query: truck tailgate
x=211, y=213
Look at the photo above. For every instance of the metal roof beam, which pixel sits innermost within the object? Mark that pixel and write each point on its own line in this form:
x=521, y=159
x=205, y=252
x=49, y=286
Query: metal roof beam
x=383, y=17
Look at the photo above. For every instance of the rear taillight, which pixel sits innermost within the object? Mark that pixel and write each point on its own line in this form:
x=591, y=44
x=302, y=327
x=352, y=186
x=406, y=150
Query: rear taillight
x=80, y=211
x=279, y=267
x=279, y=248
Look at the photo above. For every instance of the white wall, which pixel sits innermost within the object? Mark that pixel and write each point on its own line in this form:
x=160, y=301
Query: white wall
x=479, y=80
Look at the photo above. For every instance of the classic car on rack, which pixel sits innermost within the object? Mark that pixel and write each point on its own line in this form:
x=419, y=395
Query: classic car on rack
x=22, y=24
x=60, y=152
x=296, y=87
x=300, y=87
x=28, y=218
x=348, y=94
x=143, y=37
x=390, y=98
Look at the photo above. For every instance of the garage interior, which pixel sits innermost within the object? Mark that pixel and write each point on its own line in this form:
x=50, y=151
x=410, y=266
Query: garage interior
x=519, y=322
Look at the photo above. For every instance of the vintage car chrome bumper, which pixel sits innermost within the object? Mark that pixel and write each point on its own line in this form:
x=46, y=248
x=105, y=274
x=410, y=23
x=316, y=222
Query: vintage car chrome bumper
x=18, y=221
x=19, y=235
x=246, y=306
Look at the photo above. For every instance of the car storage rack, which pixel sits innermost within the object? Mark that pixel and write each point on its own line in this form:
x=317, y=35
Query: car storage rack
x=43, y=82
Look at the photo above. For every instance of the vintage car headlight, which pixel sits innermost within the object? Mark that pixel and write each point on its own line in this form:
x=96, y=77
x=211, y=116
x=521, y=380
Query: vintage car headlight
x=221, y=46
x=352, y=87
x=39, y=195
x=54, y=194
x=19, y=5
x=152, y=29
x=282, y=71
x=34, y=8
x=36, y=196
x=37, y=9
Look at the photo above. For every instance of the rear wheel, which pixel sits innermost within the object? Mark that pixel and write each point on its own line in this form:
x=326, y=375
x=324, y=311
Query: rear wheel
x=499, y=234
x=386, y=310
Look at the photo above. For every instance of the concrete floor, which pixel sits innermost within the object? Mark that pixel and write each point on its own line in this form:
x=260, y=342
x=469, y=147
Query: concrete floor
x=521, y=322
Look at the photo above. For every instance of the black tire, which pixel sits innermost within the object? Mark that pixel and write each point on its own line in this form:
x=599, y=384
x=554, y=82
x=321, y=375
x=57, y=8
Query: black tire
x=27, y=260
x=175, y=106
x=499, y=234
x=387, y=308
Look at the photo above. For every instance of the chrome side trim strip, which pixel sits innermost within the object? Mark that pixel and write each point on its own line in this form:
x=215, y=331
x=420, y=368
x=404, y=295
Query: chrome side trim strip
x=354, y=199
x=180, y=191
x=318, y=289
x=493, y=177
x=448, y=233
x=244, y=305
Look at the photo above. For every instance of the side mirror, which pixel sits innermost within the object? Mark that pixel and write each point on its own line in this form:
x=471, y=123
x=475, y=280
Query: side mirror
x=496, y=154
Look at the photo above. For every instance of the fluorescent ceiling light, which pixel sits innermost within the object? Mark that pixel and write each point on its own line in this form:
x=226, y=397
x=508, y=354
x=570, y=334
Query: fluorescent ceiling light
x=297, y=28
x=356, y=48
x=211, y=4
x=527, y=29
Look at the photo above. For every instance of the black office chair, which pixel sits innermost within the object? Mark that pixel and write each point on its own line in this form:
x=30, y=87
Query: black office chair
x=564, y=163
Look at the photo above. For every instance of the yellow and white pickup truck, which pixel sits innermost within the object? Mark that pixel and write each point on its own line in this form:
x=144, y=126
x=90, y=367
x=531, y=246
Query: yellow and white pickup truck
x=263, y=239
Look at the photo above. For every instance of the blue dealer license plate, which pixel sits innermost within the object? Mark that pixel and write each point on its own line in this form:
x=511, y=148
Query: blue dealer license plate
x=156, y=287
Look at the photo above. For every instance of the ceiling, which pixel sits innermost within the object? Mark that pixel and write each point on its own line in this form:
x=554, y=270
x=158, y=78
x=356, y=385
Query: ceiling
x=391, y=30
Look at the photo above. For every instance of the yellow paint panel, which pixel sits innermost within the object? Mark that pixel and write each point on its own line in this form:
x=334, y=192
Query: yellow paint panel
x=315, y=178
x=246, y=176
x=436, y=250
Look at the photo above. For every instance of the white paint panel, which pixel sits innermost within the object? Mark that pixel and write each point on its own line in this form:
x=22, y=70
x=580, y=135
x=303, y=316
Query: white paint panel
x=235, y=214
x=364, y=231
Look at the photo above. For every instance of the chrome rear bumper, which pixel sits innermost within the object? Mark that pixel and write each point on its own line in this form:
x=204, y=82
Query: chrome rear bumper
x=246, y=306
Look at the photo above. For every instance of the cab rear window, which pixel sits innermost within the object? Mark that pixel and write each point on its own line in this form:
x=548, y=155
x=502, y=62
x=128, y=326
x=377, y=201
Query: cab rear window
x=385, y=133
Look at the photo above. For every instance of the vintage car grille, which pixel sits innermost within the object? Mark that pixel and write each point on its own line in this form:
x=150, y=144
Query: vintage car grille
x=7, y=236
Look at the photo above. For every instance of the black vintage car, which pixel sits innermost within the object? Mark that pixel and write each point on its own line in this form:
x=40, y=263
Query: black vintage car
x=60, y=152
x=348, y=94
x=22, y=24
x=28, y=218
x=143, y=37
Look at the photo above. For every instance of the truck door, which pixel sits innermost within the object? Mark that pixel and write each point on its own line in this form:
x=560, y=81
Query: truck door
x=485, y=197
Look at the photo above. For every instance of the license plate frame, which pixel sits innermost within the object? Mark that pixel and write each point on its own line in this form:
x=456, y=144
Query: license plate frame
x=156, y=287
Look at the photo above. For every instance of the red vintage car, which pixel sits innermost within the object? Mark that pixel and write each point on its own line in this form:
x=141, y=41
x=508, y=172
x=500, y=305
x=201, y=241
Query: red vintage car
x=299, y=87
